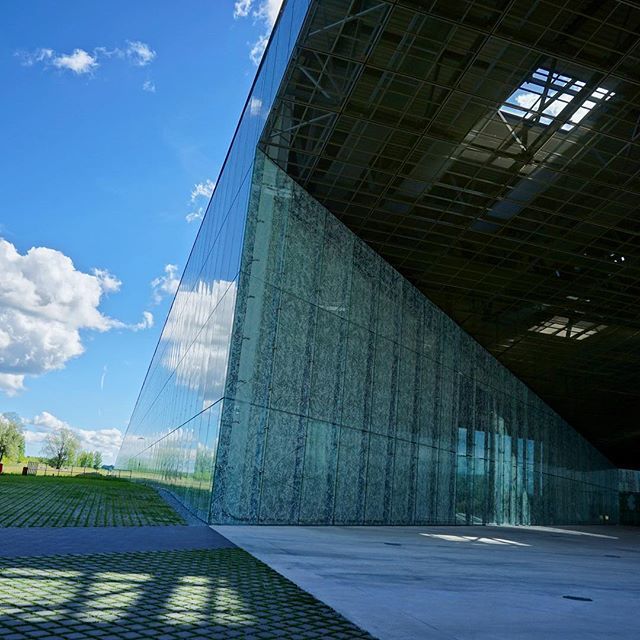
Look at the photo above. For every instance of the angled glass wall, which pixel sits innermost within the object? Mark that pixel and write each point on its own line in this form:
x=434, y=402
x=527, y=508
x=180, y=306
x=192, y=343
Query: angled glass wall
x=352, y=399
x=172, y=435
x=300, y=379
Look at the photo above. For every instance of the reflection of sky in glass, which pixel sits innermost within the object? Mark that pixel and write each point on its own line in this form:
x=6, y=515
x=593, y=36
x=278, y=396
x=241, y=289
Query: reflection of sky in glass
x=545, y=95
x=198, y=340
x=174, y=427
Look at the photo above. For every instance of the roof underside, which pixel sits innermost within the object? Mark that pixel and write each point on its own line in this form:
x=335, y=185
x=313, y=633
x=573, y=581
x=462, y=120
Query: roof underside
x=490, y=151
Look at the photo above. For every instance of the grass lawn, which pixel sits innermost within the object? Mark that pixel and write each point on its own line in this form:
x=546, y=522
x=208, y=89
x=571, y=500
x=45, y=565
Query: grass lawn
x=172, y=595
x=33, y=501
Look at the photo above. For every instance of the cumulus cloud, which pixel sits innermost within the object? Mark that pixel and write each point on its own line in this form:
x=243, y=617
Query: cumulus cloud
x=198, y=214
x=145, y=323
x=103, y=440
x=149, y=86
x=80, y=61
x=533, y=101
x=267, y=10
x=11, y=383
x=242, y=8
x=140, y=53
x=48, y=421
x=29, y=58
x=35, y=437
x=202, y=190
x=198, y=336
x=45, y=303
x=108, y=281
x=263, y=12
x=166, y=284
x=107, y=441
x=255, y=106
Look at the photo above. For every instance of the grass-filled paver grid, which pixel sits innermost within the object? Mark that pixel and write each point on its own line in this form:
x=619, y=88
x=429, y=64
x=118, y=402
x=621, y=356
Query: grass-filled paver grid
x=172, y=595
x=32, y=501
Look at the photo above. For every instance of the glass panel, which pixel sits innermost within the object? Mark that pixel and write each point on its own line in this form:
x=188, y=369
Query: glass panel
x=173, y=432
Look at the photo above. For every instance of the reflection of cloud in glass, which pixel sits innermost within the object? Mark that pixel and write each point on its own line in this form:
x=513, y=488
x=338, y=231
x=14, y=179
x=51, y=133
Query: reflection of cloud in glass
x=198, y=334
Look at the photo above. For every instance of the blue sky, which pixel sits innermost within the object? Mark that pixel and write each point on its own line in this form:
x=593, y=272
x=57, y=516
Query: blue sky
x=115, y=121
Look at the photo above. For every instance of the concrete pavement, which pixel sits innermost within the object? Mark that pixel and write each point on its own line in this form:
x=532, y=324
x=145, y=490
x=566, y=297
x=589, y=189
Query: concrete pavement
x=480, y=583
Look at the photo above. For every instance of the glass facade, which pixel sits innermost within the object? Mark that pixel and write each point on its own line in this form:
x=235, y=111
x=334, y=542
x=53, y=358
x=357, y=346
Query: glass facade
x=300, y=379
x=351, y=399
x=172, y=435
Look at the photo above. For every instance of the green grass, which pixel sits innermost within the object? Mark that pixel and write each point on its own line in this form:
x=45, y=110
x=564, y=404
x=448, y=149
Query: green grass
x=172, y=595
x=32, y=501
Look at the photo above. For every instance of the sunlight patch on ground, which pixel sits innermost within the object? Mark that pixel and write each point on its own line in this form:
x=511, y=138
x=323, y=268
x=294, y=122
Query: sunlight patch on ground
x=223, y=593
x=481, y=539
x=570, y=532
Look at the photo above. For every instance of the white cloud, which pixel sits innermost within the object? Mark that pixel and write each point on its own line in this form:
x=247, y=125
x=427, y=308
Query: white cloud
x=145, y=323
x=263, y=11
x=35, y=437
x=166, y=284
x=258, y=48
x=268, y=11
x=79, y=61
x=200, y=190
x=149, y=86
x=529, y=100
x=108, y=282
x=255, y=106
x=48, y=421
x=198, y=336
x=198, y=214
x=203, y=189
x=11, y=383
x=241, y=8
x=45, y=303
x=29, y=58
x=140, y=53
x=107, y=441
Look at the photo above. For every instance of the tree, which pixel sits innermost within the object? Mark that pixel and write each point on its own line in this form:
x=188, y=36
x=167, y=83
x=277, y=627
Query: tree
x=11, y=436
x=61, y=447
x=85, y=459
x=97, y=459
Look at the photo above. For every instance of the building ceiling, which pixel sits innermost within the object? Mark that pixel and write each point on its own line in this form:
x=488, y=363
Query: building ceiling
x=490, y=151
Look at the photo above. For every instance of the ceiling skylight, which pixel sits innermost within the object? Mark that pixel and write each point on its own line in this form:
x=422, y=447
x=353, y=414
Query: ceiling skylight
x=563, y=328
x=545, y=95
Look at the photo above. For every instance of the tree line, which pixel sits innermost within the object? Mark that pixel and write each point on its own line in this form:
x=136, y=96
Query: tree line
x=61, y=448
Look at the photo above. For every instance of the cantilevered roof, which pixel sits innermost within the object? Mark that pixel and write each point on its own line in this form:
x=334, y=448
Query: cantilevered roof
x=490, y=151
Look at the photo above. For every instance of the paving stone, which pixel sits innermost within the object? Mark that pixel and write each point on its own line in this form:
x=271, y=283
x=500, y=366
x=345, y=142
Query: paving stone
x=34, y=501
x=218, y=592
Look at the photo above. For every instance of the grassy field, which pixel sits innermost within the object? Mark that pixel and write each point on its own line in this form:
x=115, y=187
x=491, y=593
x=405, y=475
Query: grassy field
x=33, y=501
x=173, y=595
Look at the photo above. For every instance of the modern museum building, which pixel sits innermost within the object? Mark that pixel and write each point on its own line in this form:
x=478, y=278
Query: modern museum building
x=415, y=294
